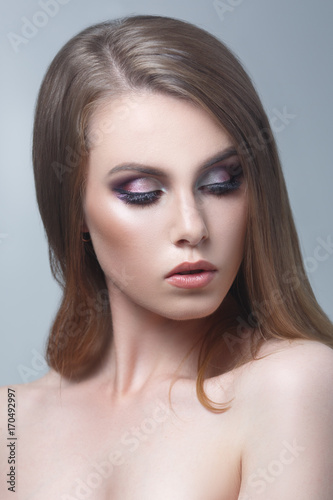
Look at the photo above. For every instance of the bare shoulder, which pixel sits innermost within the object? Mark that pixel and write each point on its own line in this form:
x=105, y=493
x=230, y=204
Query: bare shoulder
x=46, y=381
x=282, y=369
x=290, y=379
x=283, y=372
x=293, y=362
x=286, y=406
x=277, y=360
x=31, y=394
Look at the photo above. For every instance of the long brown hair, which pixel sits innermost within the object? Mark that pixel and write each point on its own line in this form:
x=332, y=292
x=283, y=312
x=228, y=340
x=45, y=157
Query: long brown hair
x=172, y=57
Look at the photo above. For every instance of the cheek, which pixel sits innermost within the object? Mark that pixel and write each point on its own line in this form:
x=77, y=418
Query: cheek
x=230, y=231
x=117, y=232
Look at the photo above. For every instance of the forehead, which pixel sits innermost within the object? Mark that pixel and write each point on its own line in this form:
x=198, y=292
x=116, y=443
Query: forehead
x=150, y=126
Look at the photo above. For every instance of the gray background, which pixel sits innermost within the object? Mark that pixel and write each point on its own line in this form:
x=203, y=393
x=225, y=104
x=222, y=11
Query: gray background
x=286, y=47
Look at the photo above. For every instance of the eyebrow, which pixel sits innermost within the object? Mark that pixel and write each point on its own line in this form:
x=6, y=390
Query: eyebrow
x=146, y=169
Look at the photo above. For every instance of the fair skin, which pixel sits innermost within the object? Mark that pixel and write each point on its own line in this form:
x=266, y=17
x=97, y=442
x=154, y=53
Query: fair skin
x=112, y=435
x=137, y=245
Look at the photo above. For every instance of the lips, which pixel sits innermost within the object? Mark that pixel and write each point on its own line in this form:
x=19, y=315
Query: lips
x=192, y=268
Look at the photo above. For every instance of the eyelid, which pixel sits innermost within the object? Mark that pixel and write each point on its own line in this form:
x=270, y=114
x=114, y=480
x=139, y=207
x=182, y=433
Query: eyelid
x=232, y=165
x=134, y=178
x=233, y=170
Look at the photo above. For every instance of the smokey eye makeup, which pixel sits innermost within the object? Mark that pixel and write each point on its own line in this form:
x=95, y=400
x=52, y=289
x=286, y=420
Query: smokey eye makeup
x=220, y=180
x=139, y=191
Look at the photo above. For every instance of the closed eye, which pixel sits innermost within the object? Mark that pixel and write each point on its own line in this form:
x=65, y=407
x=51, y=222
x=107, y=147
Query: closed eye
x=137, y=192
x=219, y=181
x=143, y=199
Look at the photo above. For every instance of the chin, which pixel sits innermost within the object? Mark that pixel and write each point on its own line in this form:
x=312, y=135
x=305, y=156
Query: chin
x=193, y=312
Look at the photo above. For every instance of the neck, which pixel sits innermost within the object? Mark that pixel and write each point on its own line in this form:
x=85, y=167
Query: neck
x=148, y=349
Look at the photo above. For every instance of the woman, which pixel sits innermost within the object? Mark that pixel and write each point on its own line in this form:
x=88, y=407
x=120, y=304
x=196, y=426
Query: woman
x=189, y=358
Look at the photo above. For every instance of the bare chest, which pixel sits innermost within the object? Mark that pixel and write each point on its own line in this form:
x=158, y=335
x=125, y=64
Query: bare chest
x=151, y=454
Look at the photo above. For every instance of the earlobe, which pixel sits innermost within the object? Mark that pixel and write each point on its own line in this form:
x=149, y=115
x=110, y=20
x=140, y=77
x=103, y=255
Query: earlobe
x=86, y=237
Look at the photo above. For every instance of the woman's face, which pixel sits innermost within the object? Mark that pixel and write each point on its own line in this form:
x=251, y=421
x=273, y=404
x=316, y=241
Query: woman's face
x=164, y=187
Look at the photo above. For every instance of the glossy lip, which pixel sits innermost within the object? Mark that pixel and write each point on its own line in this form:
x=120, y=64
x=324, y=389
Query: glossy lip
x=187, y=281
x=192, y=266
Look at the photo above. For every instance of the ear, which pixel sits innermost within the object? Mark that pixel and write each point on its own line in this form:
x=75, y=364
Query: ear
x=84, y=227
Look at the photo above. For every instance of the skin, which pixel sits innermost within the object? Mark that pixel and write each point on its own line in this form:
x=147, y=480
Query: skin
x=137, y=246
x=112, y=435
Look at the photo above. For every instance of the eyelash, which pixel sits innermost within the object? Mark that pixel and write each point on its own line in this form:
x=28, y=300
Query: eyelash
x=148, y=198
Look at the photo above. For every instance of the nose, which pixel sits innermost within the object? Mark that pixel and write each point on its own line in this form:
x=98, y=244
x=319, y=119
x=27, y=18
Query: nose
x=188, y=224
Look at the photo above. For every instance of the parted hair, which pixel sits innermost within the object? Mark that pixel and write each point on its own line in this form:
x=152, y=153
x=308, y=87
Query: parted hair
x=172, y=57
